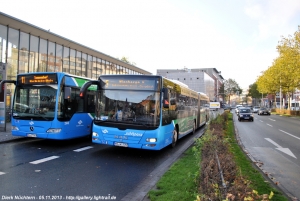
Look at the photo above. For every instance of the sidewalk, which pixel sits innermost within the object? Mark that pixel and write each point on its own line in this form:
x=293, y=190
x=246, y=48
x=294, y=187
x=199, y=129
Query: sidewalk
x=6, y=135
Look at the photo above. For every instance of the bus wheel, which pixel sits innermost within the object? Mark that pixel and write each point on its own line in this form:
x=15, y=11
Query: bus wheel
x=90, y=136
x=175, y=137
x=194, y=128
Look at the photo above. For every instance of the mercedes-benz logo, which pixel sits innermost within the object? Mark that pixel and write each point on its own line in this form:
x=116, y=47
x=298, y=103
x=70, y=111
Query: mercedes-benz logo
x=31, y=128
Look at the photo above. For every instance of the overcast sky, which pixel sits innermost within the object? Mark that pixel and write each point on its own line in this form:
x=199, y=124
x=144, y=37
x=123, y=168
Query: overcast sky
x=236, y=37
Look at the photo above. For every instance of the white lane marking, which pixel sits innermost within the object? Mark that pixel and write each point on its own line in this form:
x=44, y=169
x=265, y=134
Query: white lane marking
x=1, y=173
x=274, y=143
x=272, y=119
x=269, y=125
x=261, y=121
x=82, y=149
x=290, y=134
x=280, y=148
x=44, y=160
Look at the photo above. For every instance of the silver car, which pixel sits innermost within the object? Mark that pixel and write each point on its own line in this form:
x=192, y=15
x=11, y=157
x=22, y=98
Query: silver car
x=237, y=108
x=255, y=109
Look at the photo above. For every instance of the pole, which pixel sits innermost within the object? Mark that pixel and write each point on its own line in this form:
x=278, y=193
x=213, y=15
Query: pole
x=280, y=98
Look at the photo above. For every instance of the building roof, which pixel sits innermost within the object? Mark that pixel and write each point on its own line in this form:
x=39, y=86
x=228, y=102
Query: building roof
x=26, y=27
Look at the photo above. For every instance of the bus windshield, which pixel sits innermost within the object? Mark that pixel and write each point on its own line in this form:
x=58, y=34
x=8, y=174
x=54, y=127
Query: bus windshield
x=35, y=102
x=128, y=106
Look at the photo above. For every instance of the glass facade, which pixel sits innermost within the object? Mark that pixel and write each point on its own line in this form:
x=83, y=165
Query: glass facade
x=26, y=52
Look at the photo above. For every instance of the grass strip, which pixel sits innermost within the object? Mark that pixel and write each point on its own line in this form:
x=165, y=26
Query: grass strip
x=247, y=168
x=180, y=181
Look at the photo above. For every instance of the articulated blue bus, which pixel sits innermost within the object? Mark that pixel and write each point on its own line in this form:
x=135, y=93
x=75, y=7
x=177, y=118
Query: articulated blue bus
x=144, y=111
x=47, y=105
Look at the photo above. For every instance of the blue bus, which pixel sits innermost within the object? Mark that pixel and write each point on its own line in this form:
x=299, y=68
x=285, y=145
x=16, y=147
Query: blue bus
x=47, y=105
x=144, y=111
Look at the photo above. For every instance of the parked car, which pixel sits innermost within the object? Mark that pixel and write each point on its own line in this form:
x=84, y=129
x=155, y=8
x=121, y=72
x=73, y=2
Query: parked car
x=255, y=109
x=264, y=111
x=245, y=114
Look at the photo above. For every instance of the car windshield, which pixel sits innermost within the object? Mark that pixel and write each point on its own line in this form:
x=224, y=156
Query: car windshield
x=245, y=111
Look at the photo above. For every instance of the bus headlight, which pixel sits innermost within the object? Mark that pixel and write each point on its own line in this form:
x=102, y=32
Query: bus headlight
x=53, y=130
x=151, y=140
x=14, y=128
x=95, y=134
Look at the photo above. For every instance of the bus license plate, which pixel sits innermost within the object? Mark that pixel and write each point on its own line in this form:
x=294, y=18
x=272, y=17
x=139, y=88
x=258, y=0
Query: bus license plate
x=121, y=144
x=31, y=135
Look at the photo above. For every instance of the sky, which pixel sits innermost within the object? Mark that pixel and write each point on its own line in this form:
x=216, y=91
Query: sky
x=237, y=37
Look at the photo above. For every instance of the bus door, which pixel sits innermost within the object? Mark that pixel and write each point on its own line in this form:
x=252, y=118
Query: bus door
x=80, y=121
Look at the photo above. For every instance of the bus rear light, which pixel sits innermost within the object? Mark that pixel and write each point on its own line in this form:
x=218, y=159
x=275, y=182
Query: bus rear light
x=95, y=134
x=54, y=130
x=151, y=140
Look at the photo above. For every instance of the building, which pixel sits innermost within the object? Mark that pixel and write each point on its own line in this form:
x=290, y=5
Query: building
x=206, y=80
x=219, y=80
x=25, y=48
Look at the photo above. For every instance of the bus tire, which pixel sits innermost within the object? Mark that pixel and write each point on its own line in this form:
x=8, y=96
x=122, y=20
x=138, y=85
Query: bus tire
x=194, y=128
x=90, y=136
x=174, y=137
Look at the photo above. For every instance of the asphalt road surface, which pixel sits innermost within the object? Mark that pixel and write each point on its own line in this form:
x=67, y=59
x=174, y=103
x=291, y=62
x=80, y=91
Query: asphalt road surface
x=78, y=169
x=273, y=144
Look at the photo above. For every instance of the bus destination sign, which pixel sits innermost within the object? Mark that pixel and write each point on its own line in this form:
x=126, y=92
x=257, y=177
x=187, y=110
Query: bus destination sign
x=38, y=79
x=137, y=84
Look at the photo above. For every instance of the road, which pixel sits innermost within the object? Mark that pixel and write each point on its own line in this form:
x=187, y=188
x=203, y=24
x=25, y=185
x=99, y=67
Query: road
x=273, y=144
x=49, y=169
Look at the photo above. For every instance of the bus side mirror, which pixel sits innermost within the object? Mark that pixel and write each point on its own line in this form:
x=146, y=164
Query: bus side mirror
x=67, y=92
x=6, y=81
x=86, y=85
x=165, y=98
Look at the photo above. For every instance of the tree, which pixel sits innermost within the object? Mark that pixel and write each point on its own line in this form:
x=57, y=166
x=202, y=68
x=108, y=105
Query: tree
x=284, y=74
x=268, y=82
x=222, y=92
x=231, y=87
x=125, y=59
x=289, y=64
x=253, y=92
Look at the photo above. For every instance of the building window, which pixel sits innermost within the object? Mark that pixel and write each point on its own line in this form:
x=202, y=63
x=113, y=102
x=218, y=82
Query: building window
x=66, y=55
x=43, y=56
